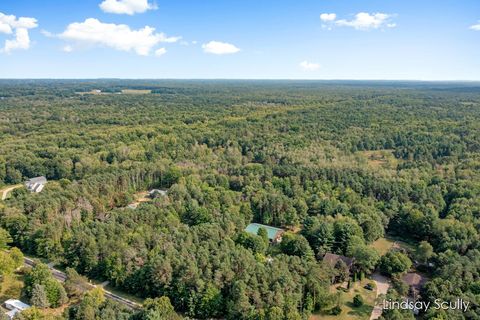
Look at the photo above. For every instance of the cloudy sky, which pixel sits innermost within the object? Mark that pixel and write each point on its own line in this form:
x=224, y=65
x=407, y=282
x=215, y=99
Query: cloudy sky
x=248, y=39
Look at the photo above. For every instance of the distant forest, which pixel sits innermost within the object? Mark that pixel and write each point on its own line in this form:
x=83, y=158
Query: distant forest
x=338, y=165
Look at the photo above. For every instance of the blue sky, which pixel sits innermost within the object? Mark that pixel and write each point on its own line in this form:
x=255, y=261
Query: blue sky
x=241, y=39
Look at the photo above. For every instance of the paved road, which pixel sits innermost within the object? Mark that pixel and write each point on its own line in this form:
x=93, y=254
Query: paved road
x=382, y=288
x=60, y=276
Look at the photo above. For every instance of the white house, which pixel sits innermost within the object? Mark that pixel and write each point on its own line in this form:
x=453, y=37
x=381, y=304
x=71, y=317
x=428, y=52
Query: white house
x=36, y=184
x=14, y=306
x=156, y=193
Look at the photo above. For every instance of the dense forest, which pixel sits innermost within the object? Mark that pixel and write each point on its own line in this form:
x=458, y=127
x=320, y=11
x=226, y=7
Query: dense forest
x=338, y=165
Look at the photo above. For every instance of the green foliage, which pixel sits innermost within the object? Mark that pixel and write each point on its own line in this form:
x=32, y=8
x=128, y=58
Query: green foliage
x=342, y=163
x=40, y=276
x=7, y=264
x=5, y=239
x=17, y=257
x=395, y=262
x=296, y=245
x=159, y=309
x=335, y=311
x=253, y=242
x=424, y=252
x=357, y=301
x=366, y=258
x=39, y=297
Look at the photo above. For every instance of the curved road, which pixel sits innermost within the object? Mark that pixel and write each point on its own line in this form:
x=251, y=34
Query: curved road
x=61, y=276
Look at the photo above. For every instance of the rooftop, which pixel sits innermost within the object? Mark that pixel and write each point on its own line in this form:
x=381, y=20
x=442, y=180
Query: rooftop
x=16, y=304
x=272, y=232
x=41, y=180
x=332, y=259
x=413, y=279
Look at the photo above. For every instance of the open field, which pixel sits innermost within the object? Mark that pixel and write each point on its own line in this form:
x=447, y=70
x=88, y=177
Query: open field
x=134, y=91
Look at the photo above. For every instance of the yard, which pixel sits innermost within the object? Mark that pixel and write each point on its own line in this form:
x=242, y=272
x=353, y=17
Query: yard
x=349, y=311
x=382, y=245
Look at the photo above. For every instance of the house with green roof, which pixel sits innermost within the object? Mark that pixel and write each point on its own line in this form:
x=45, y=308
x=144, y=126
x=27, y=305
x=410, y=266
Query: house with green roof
x=274, y=234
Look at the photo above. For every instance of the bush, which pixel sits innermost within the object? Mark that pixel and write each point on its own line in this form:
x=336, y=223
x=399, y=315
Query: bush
x=358, y=301
x=335, y=311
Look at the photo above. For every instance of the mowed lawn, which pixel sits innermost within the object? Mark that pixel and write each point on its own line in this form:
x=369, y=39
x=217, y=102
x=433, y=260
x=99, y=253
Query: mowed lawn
x=382, y=245
x=346, y=303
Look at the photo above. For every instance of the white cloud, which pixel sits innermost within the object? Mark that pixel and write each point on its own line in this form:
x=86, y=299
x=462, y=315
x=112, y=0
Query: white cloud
x=19, y=28
x=476, y=27
x=160, y=52
x=361, y=21
x=117, y=36
x=67, y=49
x=129, y=7
x=217, y=47
x=326, y=17
x=47, y=34
x=309, y=66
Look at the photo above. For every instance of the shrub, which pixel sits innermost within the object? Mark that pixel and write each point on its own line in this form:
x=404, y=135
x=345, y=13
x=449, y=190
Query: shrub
x=358, y=301
x=335, y=311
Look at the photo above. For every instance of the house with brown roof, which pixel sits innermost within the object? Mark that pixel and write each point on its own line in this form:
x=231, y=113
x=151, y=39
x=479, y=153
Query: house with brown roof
x=415, y=282
x=333, y=261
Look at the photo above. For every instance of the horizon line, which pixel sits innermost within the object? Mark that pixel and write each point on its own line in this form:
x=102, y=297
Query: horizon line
x=246, y=79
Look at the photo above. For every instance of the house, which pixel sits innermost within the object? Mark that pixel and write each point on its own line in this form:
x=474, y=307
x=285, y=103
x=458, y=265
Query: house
x=414, y=281
x=333, y=259
x=156, y=193
x=274, y=234
x=36, y=184
x=14, y=306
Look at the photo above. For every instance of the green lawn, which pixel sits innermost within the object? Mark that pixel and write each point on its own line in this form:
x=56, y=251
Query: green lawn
x=346, y=303
x=382, y=245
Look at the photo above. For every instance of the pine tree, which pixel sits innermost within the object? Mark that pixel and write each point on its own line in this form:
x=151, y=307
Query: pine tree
x=39, y=296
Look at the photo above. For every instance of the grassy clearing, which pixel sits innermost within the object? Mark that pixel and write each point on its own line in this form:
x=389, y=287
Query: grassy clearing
x=380, y=158
x=346, y=303
x=401, y=243
x=133, y=91
x=122, y=294
x=382, y=245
